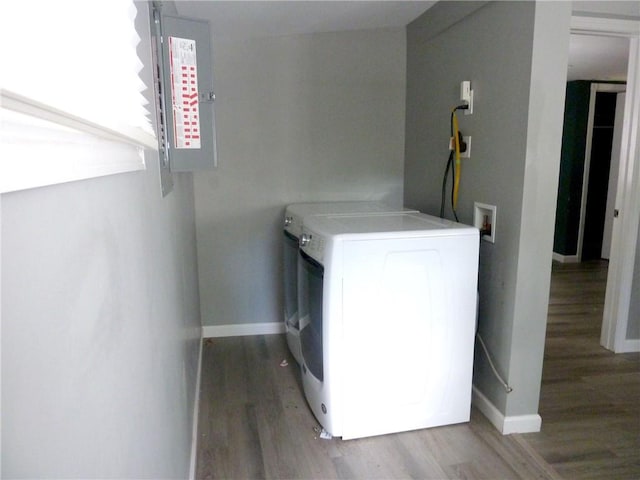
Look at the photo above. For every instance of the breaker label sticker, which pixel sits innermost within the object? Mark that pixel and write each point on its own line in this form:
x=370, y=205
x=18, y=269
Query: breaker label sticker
x=184, y=92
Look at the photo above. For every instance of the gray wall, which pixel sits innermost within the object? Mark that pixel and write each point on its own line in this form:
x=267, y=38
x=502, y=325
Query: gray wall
x=100, y=328
x=511, y=52
x=299, y=118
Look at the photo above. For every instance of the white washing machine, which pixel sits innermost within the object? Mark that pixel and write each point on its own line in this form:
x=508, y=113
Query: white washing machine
x=294, y=217
x=387, y=315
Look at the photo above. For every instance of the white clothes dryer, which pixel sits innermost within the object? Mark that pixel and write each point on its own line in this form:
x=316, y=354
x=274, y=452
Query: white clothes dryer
x=387, y=314
x=293, y=221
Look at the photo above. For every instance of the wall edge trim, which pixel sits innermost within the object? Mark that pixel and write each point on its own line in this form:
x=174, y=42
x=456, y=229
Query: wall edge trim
x=242, y=329
x=629, y=345
x=196, y=415
x=505, y=424
x=558, y=257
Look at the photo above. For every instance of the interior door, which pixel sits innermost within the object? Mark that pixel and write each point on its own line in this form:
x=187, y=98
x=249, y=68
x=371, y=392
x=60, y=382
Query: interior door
x=613, y=177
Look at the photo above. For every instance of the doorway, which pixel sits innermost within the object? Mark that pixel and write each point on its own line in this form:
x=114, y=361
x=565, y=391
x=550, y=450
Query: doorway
x=627, y=196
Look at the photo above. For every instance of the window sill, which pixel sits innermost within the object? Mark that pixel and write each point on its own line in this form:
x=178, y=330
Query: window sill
x=37, y=153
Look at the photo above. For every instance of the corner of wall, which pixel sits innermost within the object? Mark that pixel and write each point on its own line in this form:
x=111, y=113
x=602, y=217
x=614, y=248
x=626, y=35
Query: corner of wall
x=443, y=15
x=505, y=424
x=196, y=416
x=544, y=138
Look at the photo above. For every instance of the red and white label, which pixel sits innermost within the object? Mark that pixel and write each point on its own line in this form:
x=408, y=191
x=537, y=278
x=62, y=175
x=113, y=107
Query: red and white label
x=184, y=92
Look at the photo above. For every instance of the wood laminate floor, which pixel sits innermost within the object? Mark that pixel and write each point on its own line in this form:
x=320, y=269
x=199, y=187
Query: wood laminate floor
x=590, y=397
x=254, y=421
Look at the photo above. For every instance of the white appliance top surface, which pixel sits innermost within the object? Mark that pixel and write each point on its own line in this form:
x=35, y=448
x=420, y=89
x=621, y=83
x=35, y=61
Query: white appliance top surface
x=325, y=208
x=391, y=223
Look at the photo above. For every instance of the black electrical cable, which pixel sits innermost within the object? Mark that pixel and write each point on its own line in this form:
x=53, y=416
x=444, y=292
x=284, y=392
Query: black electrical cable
x=444, y=183
x=453, y=171
x=450, y=166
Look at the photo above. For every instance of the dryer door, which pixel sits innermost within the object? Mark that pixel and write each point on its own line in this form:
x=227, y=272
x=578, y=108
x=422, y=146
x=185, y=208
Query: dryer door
x=310, y=285
x=290, y=255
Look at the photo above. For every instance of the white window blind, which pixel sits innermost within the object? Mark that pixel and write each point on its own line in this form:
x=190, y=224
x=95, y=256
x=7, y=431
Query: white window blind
x=72, y=67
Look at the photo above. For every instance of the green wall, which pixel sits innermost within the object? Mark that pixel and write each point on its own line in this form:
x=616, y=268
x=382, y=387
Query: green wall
x=574, y=136
x=574, y=139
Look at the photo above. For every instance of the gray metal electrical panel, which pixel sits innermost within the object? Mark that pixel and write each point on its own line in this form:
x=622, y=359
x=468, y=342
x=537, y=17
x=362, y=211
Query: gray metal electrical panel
x=186, y=82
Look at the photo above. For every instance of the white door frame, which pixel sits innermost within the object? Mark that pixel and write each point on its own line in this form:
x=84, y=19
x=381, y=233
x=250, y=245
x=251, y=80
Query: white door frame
x=625, y=226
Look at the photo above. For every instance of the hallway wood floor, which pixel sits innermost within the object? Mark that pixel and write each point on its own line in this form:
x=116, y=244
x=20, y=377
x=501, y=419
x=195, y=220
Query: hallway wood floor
x=254, y=421
x=590, y=397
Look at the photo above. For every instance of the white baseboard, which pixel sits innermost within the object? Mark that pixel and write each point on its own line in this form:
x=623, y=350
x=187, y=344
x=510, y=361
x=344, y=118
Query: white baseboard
x=505, y=425
x=565, y=258
x=628, y=346
x=522, y=424
x=242, y=329
x=196, y=415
